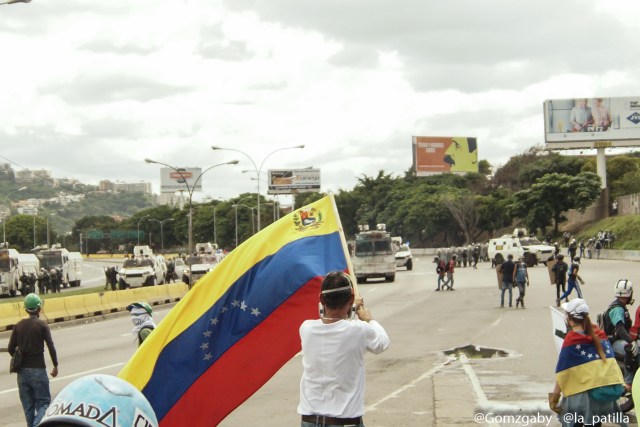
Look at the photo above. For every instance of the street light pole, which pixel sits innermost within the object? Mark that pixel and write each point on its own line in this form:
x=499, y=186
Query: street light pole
x=139, y=221
x=4, y=220
x=256, y=168
x=161, y=232
x=190, y=190
x=252, y=226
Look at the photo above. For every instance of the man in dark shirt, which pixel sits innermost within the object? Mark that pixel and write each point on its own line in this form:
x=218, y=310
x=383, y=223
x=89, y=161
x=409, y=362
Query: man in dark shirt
x=30, y=335
x=560, y=270
x=507, y=268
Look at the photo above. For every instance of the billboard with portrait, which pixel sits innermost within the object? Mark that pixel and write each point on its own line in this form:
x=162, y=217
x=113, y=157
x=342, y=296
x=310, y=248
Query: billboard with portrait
x=592, y=122
x=288, y=181
x=439, y=154
x=180, y=179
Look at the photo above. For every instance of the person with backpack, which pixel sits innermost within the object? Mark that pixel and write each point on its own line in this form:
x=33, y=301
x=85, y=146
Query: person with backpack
x=587, y=375
x=440, y=271
x=616, y=322
x=143, y=323
x=521, y=279
x=560, y=271
x=573, y=279
x=449, y=269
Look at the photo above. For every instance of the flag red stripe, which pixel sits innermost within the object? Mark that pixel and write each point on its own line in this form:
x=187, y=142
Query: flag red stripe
x=236, y=376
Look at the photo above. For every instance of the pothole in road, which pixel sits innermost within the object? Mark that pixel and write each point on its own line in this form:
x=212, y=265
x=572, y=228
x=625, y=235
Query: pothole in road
x=477, y=352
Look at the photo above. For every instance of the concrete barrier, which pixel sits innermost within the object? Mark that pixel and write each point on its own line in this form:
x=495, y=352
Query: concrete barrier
x=177, y=291
x=75, y=306
x=158, y=295
x=55, y=310
x=10, y=314
x=110, y=301
x=93, y=304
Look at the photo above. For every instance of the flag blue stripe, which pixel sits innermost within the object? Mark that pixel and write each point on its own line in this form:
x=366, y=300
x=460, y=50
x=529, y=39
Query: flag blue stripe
x=571, y=355
x=265, y=286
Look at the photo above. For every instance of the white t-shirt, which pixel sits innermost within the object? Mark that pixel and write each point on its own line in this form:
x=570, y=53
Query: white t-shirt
x=333, y=374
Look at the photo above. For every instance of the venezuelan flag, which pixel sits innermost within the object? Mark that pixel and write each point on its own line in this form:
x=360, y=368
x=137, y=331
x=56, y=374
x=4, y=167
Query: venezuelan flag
x=239, y=324
x=580, y=367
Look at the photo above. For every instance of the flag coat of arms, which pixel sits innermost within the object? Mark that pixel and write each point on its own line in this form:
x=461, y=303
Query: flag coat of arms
x=580, y=367
x=239, y=323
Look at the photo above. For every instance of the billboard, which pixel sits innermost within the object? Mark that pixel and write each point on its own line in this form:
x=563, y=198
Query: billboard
x=592, y=122
x=180, y=179
x=288, y=181
x=438, y=154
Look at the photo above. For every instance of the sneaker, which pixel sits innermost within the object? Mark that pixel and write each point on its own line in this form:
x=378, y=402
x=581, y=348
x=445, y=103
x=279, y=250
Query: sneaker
x=522, y=303
x=557, y=302
x=451, y=289
x=517, y=302
x=437, y=289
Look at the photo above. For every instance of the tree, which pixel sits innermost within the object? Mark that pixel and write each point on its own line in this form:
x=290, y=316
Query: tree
x=552, y=195
x=463, y=209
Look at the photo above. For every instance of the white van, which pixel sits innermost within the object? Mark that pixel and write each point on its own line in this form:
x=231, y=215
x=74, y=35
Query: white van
x=74, y=268
x=9, y=274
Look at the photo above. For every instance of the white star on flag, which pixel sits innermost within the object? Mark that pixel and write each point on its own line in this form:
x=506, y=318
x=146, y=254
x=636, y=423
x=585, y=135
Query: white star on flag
x=204, y=346
x=235, y=303
x=208, y=356
x=243, y=306
x=214, y=321
x=207, y=333
x=255, y=311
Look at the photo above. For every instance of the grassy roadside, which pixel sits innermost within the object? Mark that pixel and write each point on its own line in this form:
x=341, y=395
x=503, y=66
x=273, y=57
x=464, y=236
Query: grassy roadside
x=626, y=229
x=79, y=291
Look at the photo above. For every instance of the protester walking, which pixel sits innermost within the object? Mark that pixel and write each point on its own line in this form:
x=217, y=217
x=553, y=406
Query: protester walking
x=507, y=269
x=332, y=387
x=521, y=279
x=141, y=317
x=560, y=271
x=450, y=269
x=440, y=271
x=573, y=279
x=29, y=337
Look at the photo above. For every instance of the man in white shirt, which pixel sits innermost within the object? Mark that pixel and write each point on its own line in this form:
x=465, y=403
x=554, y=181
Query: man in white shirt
x=332, y=387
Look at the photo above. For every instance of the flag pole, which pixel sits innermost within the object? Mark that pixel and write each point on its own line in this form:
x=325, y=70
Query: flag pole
x=345, y=248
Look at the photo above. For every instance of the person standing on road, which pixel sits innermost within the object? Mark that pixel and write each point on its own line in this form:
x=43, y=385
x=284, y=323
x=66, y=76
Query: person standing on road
x=332, y=387
x=440, y=269
x=521, y=279
x=573, y=278
x=507, y=268
x=29, y=337
x=560, y=270
x=587, y=374
x=450, y=268
x=475, y=253
x=143, y=323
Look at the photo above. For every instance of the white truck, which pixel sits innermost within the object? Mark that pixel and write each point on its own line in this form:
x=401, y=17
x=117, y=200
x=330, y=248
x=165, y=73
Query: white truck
x=9, y=272
x=518, y=245
x=373, y=255
x=69, y=263
x=144, y=269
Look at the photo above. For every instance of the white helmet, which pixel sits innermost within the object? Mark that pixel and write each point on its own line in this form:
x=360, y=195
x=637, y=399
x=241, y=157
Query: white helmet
x=624, y=288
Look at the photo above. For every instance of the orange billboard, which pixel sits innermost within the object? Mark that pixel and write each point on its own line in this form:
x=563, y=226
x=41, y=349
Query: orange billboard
x=439, y=154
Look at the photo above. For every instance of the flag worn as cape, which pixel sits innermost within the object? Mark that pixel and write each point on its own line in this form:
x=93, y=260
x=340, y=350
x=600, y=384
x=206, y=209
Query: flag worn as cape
x=580, y=367
x=239, y=324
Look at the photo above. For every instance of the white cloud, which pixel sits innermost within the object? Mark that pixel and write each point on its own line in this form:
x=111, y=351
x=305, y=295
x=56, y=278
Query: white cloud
x=353, y=81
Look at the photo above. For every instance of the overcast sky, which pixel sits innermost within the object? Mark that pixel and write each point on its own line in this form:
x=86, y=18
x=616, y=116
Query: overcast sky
x=89, y=88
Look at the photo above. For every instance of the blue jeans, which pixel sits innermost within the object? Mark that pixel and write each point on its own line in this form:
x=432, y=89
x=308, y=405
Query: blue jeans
x=441, y=280
x=572, y=284
x=33, y=387
x=505, y=286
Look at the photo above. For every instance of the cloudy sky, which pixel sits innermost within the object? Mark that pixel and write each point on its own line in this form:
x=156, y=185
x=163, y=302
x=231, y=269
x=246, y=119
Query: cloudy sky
x=89, y=88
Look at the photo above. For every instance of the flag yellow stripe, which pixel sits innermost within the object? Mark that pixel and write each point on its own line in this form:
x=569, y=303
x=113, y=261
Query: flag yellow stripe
x=589, y=375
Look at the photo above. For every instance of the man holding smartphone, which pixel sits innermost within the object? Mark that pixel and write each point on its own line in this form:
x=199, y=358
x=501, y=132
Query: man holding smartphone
x=333, y=380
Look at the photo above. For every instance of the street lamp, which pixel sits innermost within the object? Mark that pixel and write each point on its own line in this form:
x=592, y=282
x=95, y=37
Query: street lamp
x=4, y=220
x=236, y=214
x=139, y=221
x=257, y=169
x=215, y=235
x=190, y=190
x=161, y=232
x=14, y=1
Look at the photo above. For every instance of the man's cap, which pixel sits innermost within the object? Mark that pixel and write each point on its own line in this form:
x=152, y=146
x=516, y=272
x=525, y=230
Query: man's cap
x=577, y=308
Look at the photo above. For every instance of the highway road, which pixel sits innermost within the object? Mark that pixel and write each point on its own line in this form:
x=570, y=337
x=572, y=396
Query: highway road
x=414, y=383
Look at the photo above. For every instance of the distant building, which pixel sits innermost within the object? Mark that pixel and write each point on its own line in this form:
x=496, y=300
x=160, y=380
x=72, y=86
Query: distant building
x=6, y=172
x=125, y=187
x=28, y=210
x=36, y=176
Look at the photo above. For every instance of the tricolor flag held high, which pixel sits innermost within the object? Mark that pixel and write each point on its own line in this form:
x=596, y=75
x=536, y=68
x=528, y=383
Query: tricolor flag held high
x=239, y=324
x=580, y=367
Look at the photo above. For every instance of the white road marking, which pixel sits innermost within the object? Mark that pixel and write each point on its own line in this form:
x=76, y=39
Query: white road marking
x=395, y=393
x=79, y=374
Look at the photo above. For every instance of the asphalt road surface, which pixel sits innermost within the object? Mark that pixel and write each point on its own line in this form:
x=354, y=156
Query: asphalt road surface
x=414, y=383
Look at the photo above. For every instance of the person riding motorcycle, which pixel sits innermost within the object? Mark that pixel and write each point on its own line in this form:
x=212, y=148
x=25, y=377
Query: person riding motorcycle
x=617, y=324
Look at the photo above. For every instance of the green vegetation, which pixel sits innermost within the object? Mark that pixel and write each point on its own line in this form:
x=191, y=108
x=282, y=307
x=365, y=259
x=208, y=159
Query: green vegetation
x=626, y=228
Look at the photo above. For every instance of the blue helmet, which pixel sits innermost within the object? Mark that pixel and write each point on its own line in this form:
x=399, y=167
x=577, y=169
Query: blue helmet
x=99, y=400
